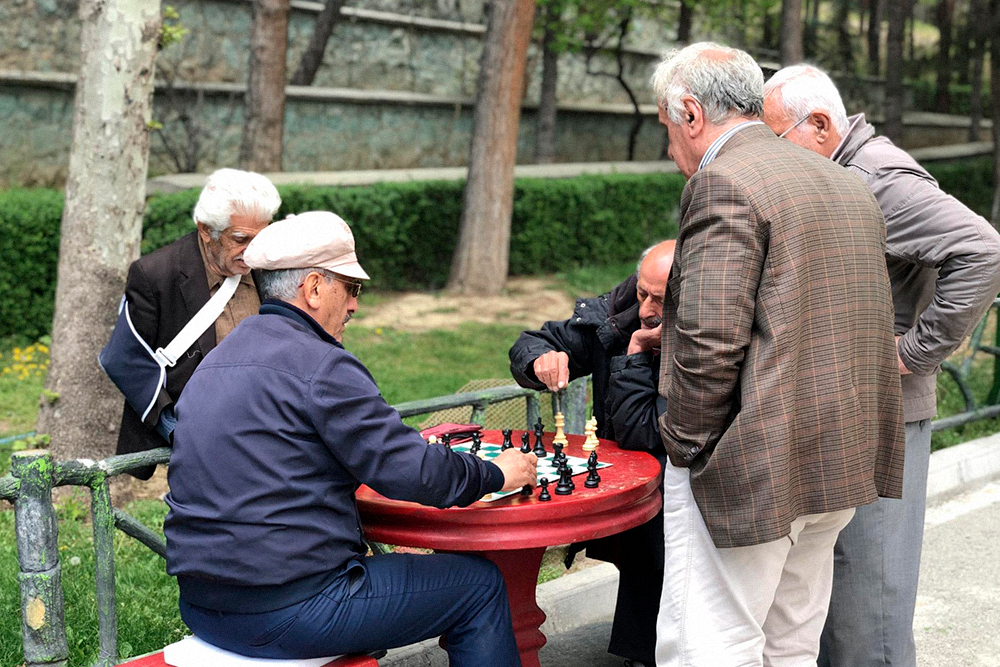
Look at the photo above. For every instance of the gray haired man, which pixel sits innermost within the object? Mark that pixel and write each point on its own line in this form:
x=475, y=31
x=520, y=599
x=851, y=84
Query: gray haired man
x=944, y=264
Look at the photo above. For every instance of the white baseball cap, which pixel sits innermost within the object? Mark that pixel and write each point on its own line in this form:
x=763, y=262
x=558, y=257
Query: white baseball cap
x=317, y=239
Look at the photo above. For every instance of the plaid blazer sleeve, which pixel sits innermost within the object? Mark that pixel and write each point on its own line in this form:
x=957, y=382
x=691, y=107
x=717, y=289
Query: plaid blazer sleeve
x=720, y=256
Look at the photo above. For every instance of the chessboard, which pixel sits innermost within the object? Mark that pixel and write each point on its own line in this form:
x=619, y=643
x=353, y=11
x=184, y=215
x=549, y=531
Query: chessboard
x=488, y=452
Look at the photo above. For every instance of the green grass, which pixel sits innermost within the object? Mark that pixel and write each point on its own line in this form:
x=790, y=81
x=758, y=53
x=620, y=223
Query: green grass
x=146, y=597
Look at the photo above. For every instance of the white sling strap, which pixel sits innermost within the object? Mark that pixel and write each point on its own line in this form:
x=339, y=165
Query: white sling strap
x=203, y=319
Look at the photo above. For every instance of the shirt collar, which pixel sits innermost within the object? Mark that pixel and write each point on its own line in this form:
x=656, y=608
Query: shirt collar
x=713, y=150
x=285, y=309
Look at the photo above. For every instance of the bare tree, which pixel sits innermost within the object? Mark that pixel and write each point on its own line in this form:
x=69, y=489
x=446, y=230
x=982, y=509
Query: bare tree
x=263, y=130
x=995, y=93
x=685, y=21
x=102, y=218
x=545, y=130
x=899, y=10
x=945, y=19
x=791, y=32
x=844, y=38
x=482, y=257
x=312, y=58
x=980, y=30
x=876, y=8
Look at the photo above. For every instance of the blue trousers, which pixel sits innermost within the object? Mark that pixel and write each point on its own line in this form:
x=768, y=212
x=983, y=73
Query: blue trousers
x=379, y=603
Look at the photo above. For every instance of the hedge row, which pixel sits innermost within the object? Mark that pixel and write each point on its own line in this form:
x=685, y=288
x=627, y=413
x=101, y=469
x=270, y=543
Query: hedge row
x=406, y=232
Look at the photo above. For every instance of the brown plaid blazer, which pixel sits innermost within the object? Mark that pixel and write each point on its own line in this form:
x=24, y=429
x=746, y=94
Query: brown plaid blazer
x=778, y=359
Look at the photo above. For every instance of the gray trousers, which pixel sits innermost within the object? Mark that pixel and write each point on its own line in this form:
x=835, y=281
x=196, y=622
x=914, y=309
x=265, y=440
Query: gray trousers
x=876, y=567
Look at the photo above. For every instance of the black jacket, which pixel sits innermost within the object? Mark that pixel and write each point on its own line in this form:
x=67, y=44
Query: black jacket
x=164, y=290
x=596, y=339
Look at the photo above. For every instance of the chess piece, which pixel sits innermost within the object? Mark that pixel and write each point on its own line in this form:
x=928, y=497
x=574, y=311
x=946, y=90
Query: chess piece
x=569, y=476
x=525, y=443
x=591, y=442
x=558, y=456
x=474, y=450
x=539, y=446
x=539, y=428
x=592, y=460
x=544, y=495
x=560, y=437
x=526, y=490
x=477, y=439
x=507, y=444
x=563, y=488
x=593, y=479
x=432, y=440
x=446, y=440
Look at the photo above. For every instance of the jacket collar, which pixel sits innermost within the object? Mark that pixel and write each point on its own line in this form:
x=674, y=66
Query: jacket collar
x=623, y=314
x=860, y=132
x=193, y=285
x=285, y=309
x=747, y=133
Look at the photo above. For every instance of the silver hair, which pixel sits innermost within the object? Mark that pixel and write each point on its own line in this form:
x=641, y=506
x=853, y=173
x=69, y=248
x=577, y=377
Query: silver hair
x=805, y=89
x=284, y=283
x=727, y=82
x=230, y=191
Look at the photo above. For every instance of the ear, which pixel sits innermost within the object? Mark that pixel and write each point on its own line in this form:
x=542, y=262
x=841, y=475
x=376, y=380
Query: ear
x=204, y=232
x=823, y=124
x=311, y=290
x=693, y=118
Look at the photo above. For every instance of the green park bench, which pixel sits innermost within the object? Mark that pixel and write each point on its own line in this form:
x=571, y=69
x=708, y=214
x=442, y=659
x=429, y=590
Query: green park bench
x=34, y=474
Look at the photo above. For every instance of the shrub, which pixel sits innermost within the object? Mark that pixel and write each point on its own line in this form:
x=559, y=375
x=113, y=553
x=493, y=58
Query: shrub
x=406, y=232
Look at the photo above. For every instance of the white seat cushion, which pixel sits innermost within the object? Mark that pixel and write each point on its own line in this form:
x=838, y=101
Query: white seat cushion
x=193, y=652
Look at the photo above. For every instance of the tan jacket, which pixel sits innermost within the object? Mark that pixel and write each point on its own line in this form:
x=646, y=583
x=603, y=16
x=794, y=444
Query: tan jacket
x=943, y=260
x=779, y=364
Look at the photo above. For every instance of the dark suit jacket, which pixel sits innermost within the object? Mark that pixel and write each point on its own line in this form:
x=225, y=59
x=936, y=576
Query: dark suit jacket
x=164, y=290
x=778, y=359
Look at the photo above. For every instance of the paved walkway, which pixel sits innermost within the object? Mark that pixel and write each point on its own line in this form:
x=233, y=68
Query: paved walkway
x=958, y=608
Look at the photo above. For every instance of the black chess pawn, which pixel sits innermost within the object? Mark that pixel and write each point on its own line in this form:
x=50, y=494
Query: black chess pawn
x=593, y=479
x=525, y=443
x=507, y=444
x=563, y=488
x=539, y=446
x=544, y=495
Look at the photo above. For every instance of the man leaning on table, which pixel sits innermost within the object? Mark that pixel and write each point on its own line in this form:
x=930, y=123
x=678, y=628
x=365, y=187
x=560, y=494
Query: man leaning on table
x=783, y=406
x=277, y=428
x=944, y=264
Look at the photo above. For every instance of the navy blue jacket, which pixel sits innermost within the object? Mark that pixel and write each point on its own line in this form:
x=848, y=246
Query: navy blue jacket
x=277, y=428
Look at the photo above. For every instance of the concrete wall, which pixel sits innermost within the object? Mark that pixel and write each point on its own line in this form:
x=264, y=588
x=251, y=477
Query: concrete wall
x=395, y=90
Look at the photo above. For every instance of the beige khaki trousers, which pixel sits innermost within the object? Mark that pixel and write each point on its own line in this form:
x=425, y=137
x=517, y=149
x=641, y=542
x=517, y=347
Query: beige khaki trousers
x=756, y=606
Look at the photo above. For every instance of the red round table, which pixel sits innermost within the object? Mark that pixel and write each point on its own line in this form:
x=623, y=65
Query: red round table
x=513, y=532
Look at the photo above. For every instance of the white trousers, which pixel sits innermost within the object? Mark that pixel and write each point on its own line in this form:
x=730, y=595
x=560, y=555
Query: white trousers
x=756, y=606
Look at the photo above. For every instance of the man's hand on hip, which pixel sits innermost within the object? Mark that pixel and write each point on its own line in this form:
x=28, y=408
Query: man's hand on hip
x=903, y=370
x=518, y=469
x=552, y=370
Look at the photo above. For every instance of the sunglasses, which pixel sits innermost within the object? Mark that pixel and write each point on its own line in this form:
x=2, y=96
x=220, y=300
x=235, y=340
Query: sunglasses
x=353, y=286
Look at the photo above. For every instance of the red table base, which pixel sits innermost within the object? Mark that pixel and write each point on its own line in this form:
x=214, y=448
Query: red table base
x=520, y=571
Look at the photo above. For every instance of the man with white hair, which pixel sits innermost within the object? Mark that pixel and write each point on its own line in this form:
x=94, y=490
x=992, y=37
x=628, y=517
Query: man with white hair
x=166, y=288
x=276, y=430
x=944, y=264
x=783, y=406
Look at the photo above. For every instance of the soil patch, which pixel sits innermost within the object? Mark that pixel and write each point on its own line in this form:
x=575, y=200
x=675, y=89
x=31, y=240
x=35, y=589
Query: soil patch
x=526, y=302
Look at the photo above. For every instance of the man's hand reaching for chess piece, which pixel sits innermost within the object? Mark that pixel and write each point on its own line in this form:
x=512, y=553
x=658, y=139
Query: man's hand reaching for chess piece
x=518, y=469
x=552, y=370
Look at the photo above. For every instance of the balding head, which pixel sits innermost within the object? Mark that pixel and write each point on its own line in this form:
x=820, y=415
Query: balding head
x=654, y=268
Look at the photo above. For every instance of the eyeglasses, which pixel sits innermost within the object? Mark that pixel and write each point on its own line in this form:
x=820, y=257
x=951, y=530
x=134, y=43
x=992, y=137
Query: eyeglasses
x=797, y=123
x=353, y=286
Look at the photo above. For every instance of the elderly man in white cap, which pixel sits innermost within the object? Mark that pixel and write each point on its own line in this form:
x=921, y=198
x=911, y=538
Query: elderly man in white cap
x=277, y=428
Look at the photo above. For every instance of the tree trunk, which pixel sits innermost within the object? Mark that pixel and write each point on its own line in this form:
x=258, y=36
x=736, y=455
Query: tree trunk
x=260, y=148
x=312, y=58
x=791, y=32
x=481, y=258
x=898, y=13
x=980, y=32
x=545, y=131
x=875, y=37
x=102, y=219
x=995, y=92
x=684, y=22
x=844, y=36
x=942, y=94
